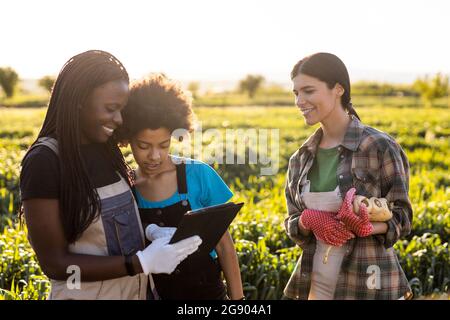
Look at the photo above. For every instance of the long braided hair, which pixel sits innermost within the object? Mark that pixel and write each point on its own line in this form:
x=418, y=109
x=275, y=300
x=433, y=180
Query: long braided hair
x=79, y=200
x=330, y=69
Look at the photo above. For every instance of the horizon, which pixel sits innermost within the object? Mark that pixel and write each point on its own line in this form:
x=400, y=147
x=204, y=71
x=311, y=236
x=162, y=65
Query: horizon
x=220, y=85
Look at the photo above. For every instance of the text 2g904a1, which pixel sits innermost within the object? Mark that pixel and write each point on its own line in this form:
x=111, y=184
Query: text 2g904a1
x=246, y=309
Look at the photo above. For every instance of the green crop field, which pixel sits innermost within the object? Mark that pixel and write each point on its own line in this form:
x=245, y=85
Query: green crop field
x=267, y=256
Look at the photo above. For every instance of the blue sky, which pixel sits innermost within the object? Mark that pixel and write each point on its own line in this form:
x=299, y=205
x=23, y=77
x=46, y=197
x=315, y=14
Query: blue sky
x=224, y=40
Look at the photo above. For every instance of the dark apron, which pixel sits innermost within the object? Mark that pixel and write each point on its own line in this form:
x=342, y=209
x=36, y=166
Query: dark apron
x=198, y=277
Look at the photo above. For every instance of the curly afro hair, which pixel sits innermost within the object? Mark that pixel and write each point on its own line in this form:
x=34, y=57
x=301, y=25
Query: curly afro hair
x=156, y=102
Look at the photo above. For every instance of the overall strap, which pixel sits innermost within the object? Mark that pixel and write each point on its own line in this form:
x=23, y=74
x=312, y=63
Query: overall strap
x=181, y=178
x=49, y=142
x=44, y=141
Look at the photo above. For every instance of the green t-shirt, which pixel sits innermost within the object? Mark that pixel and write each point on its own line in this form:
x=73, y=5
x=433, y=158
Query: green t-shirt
x=322, y=174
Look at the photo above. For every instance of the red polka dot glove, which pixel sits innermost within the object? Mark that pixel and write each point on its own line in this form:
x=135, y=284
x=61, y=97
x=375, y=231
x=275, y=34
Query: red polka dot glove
x=359, y=223
x=325, y=227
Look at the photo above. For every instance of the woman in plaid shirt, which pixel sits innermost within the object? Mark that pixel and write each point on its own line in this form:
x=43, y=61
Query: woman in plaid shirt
x=343, y=158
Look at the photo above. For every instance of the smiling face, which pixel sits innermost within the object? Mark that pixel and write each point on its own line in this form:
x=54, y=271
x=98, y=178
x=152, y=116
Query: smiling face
x=151, y=149
x=315, y=100
x=100, y=115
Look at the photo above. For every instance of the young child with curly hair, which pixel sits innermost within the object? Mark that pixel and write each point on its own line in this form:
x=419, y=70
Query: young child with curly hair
x=167, y=186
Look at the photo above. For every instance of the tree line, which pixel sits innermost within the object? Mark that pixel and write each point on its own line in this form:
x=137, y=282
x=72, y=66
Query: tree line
x=428, y=87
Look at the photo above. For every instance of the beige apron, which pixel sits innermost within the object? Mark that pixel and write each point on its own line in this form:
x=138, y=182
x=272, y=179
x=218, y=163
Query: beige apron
x=324, y=276
x=116, y=232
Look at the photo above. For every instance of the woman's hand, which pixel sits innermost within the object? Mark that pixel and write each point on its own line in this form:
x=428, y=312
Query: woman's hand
x=359, y=223
x=162, y=257
x=325, y=227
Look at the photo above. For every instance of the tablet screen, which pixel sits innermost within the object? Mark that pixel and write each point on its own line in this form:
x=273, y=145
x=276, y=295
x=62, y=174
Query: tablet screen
x=209, y=223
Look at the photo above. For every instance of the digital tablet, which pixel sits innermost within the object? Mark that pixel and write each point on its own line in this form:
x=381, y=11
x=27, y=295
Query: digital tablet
x=209, y=223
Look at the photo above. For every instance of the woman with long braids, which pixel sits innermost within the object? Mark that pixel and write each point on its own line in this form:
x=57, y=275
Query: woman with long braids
x=82, y=219
x=342, y=159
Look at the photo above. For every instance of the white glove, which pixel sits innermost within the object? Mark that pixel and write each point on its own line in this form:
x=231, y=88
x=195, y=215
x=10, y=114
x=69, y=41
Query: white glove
x=153, y=232
x=162, y=257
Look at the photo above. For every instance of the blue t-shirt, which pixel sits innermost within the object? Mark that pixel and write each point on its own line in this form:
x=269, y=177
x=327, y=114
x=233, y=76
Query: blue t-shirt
x=205, y=188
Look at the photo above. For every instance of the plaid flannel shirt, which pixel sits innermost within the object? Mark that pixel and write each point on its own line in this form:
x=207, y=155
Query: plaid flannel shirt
x=373, y=163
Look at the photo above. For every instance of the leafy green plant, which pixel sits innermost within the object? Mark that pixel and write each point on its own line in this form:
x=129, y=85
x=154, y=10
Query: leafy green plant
x=266, y=255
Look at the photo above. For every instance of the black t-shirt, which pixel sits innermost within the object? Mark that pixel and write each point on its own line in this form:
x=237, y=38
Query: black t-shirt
x=40, y=176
